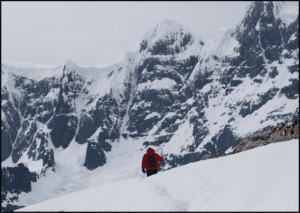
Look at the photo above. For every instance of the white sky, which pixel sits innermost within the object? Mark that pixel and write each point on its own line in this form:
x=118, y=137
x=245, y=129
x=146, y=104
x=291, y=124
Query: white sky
x=98, y=33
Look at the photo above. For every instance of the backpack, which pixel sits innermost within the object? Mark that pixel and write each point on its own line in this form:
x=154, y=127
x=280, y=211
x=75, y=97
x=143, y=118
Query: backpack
x=151, y=161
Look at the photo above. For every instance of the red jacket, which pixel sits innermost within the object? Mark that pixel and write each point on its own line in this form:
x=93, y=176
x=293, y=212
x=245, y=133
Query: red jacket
x=157, y=159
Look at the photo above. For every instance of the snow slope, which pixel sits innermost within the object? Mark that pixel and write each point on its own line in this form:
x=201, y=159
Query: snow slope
x=167, y=28
x=221, y=45
x=261, y=179
x=287, y=11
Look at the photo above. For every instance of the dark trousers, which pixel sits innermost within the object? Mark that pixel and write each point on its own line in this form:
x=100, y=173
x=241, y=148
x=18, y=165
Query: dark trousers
x=151, y=172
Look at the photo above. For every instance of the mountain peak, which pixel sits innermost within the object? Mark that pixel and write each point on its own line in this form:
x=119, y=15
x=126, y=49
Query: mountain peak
x=70, y=65
x=169, y=32
x=163, y=28
x=69, y=62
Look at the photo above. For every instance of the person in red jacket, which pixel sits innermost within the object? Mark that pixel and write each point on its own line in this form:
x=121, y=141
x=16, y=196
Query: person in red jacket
x=151, y=162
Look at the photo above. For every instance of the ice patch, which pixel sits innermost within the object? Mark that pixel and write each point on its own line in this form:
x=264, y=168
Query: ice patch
x=287, y=11
x=293, y=37
x=223, y=44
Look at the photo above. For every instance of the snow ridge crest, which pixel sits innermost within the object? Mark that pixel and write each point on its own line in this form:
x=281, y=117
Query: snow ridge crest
x=166, y=29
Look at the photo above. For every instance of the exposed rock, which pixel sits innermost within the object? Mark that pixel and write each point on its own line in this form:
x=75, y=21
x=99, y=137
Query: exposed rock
x=274, y=134
x=291, y=91
x=11, y=121
x=207, y=156
x=39, y=150
x=104, y=114
x=6, y=146
x=24, y=139
x=225, y=138
x=95, y=155
x=221, y=154
x=15, y=180
x=179, y=160
x=63, y=130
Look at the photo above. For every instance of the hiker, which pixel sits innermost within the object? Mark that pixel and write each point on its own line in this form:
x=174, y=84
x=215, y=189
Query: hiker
x=151, y=162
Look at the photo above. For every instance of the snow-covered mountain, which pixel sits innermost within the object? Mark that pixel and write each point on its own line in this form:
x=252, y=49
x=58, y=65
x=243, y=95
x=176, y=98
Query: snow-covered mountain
x=185, y=94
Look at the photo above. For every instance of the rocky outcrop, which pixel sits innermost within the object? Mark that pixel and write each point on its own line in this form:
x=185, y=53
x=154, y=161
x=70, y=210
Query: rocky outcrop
x=207, y=156
x=95, y=155
x=105, y=114
x=14, y=181
x=39, y=150
x=24, y=139
x=63, y=130
x=10, y=123
x=280, y=133
x=10, y=208
x=275, y=134
x=6, y=144
x=221, y=154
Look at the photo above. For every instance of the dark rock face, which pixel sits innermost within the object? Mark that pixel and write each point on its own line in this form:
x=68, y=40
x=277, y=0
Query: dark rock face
x=263, y=99
x=154, y=101
x=23, y=107
x=24, y=139
x=202, y=80
x=63, y=130
x=179, y=160
x=39, y=150
x=48, y=159
x=10, y=176
x=250, y=49
x=274, y=72
x=4, y=94
x=6, y=146
x=199, y=135
x=149, y=106
x=12, y=121
x=291, y=91
x=95, y=155
x=15, y=180
x=105, y=114
x=162, y=48
x=235, y=83
x=270, y=34
x=10, y=208
x=225, y=139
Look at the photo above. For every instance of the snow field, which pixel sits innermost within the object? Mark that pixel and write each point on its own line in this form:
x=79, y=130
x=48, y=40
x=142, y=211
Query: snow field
x=261, y=179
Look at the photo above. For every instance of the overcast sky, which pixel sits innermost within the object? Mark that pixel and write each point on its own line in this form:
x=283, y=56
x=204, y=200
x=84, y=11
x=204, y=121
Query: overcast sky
x=98, y=33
